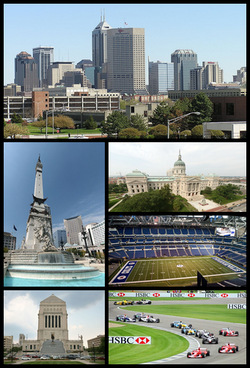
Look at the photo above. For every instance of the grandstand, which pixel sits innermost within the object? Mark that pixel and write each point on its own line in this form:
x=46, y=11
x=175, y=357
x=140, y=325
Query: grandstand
x=171, y=244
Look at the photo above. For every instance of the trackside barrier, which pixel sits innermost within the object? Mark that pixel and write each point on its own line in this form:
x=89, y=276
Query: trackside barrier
x=158, y=294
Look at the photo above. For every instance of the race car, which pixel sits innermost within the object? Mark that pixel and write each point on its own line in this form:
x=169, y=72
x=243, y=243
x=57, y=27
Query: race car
x=124, y=302
x=209, y=338
x=179, y=324
x=198, y=353
x=148, y=319
x=228, y=332
x=201, y=333
x=125, y=318
x=228, y=348
x=188, y=331
x=143, y=302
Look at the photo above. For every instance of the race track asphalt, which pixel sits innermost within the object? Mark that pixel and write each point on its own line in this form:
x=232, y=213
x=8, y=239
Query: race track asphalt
x=212, y=326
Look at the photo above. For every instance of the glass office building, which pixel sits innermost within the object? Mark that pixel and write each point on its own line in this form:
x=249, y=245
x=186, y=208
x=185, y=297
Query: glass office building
x=161, y=77
x=184, y=61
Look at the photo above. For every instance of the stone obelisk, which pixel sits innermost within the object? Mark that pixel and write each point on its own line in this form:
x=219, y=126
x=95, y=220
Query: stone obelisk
x=39, y=224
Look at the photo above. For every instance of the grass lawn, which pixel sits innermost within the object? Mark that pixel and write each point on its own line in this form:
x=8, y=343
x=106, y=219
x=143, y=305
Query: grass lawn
x=36, y=131
x=163, y=345
x=215, y=312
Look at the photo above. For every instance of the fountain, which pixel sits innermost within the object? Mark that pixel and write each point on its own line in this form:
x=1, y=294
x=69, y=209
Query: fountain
x=38, y=258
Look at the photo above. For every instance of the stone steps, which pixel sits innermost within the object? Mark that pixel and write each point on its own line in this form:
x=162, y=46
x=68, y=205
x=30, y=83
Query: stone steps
x=52, y=348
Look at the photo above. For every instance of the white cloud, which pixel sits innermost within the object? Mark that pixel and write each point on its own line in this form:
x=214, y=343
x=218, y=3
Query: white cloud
x=21, y=311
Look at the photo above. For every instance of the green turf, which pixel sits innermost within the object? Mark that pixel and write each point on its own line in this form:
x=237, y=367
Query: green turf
x=154, y=271
x=215, y=312
x=163, y=345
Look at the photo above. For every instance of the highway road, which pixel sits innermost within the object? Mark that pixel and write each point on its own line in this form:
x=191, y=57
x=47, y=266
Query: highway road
x=212, y=326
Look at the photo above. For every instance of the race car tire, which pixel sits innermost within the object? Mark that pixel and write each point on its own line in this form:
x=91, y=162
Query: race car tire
x=157, y=320
x=208, y=352
x=202, y=355
x=188, y=354
x=171, y=325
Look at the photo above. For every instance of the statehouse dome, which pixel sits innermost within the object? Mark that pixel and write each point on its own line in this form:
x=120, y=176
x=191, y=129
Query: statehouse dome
x=179, y=162
x=137, y=173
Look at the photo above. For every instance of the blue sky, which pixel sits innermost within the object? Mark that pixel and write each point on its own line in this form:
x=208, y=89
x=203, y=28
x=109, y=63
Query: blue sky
x=216, y=32
x=86, y=310
x=223, y=159
x=73, y=181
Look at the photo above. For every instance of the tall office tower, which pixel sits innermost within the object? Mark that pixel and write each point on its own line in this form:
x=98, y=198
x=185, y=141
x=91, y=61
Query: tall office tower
x=184, y=61
x=26, y=72
x=213, y=73
x=99, y=53
x=197, y=78
x=44, y=56
x=161, y=77
x=73, y=226
x=99, y=43
x=126, y=61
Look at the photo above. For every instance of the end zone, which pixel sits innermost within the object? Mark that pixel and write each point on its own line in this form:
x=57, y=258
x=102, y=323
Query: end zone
x=124, y=273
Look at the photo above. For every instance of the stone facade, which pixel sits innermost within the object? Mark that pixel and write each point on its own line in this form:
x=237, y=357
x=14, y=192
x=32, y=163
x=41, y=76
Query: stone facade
x=189, y=187
x=52, y=333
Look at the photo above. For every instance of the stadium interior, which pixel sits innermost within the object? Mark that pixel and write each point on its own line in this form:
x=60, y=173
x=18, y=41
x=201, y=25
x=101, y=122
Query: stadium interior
x=141, y=237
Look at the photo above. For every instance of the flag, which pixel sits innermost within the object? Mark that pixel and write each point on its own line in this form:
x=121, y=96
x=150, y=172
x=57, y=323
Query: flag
x=125, y=23
x=14, y=228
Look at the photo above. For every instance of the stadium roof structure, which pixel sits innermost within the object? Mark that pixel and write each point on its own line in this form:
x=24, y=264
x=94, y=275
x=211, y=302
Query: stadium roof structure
x=238, y=222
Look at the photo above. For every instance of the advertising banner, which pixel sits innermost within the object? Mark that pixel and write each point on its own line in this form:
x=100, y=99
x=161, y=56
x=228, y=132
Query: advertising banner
x=158, y=294
x=138, y=340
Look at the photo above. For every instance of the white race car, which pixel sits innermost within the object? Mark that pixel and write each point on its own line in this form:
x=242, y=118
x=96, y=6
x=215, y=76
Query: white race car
x=148, y=319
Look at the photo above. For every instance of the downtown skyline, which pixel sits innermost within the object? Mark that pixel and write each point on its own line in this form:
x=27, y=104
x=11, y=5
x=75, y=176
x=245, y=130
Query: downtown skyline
x=159, y=22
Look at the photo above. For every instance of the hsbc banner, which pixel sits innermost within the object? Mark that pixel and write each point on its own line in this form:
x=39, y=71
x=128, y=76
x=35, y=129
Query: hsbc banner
x=124, y=272
x=236, y=306
x=137, y=340
x=156, y=294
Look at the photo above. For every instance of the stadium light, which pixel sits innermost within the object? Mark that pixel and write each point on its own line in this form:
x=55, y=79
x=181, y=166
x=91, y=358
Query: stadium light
x=181, y=117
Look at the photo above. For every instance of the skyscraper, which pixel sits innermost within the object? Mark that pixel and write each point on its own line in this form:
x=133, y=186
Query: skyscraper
x=73, y=226
x=44, y=56
x=184, y=61
x=26, y=71
x=99, y=53
x=126, y=60
x=161, y=77
x=99, y=43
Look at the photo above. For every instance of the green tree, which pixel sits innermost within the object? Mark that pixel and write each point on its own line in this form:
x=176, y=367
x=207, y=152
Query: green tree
x=159, y=131
x=116, y=121
x=16, y=118
x=197, y=131
x=137, y=122
x=13, y=130
x=90, y=123
x=201, y=103
x=41, y=124
x=129, y=133
x=161, y=114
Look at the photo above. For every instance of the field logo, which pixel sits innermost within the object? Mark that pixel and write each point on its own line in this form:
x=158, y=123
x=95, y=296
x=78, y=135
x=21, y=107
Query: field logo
x=124, y=273
x=191, y=295
x=137, y=340
x=156, y=295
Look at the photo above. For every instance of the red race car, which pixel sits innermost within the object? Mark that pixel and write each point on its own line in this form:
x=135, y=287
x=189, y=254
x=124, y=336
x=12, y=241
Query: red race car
x=198, y=353
x=228, y=332
x=228, y=348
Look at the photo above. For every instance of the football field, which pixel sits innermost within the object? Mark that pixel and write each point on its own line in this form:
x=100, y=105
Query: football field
x=172, y=271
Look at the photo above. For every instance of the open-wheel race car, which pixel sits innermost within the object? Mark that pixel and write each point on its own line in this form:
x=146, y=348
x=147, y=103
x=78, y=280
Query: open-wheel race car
x=228, y=348
x=209, y=338
x=124, y=302
x=125, y=318
x=142, y=317
x=228, y=332
x=198, y=353
x=179, y=324
x=143, y=302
